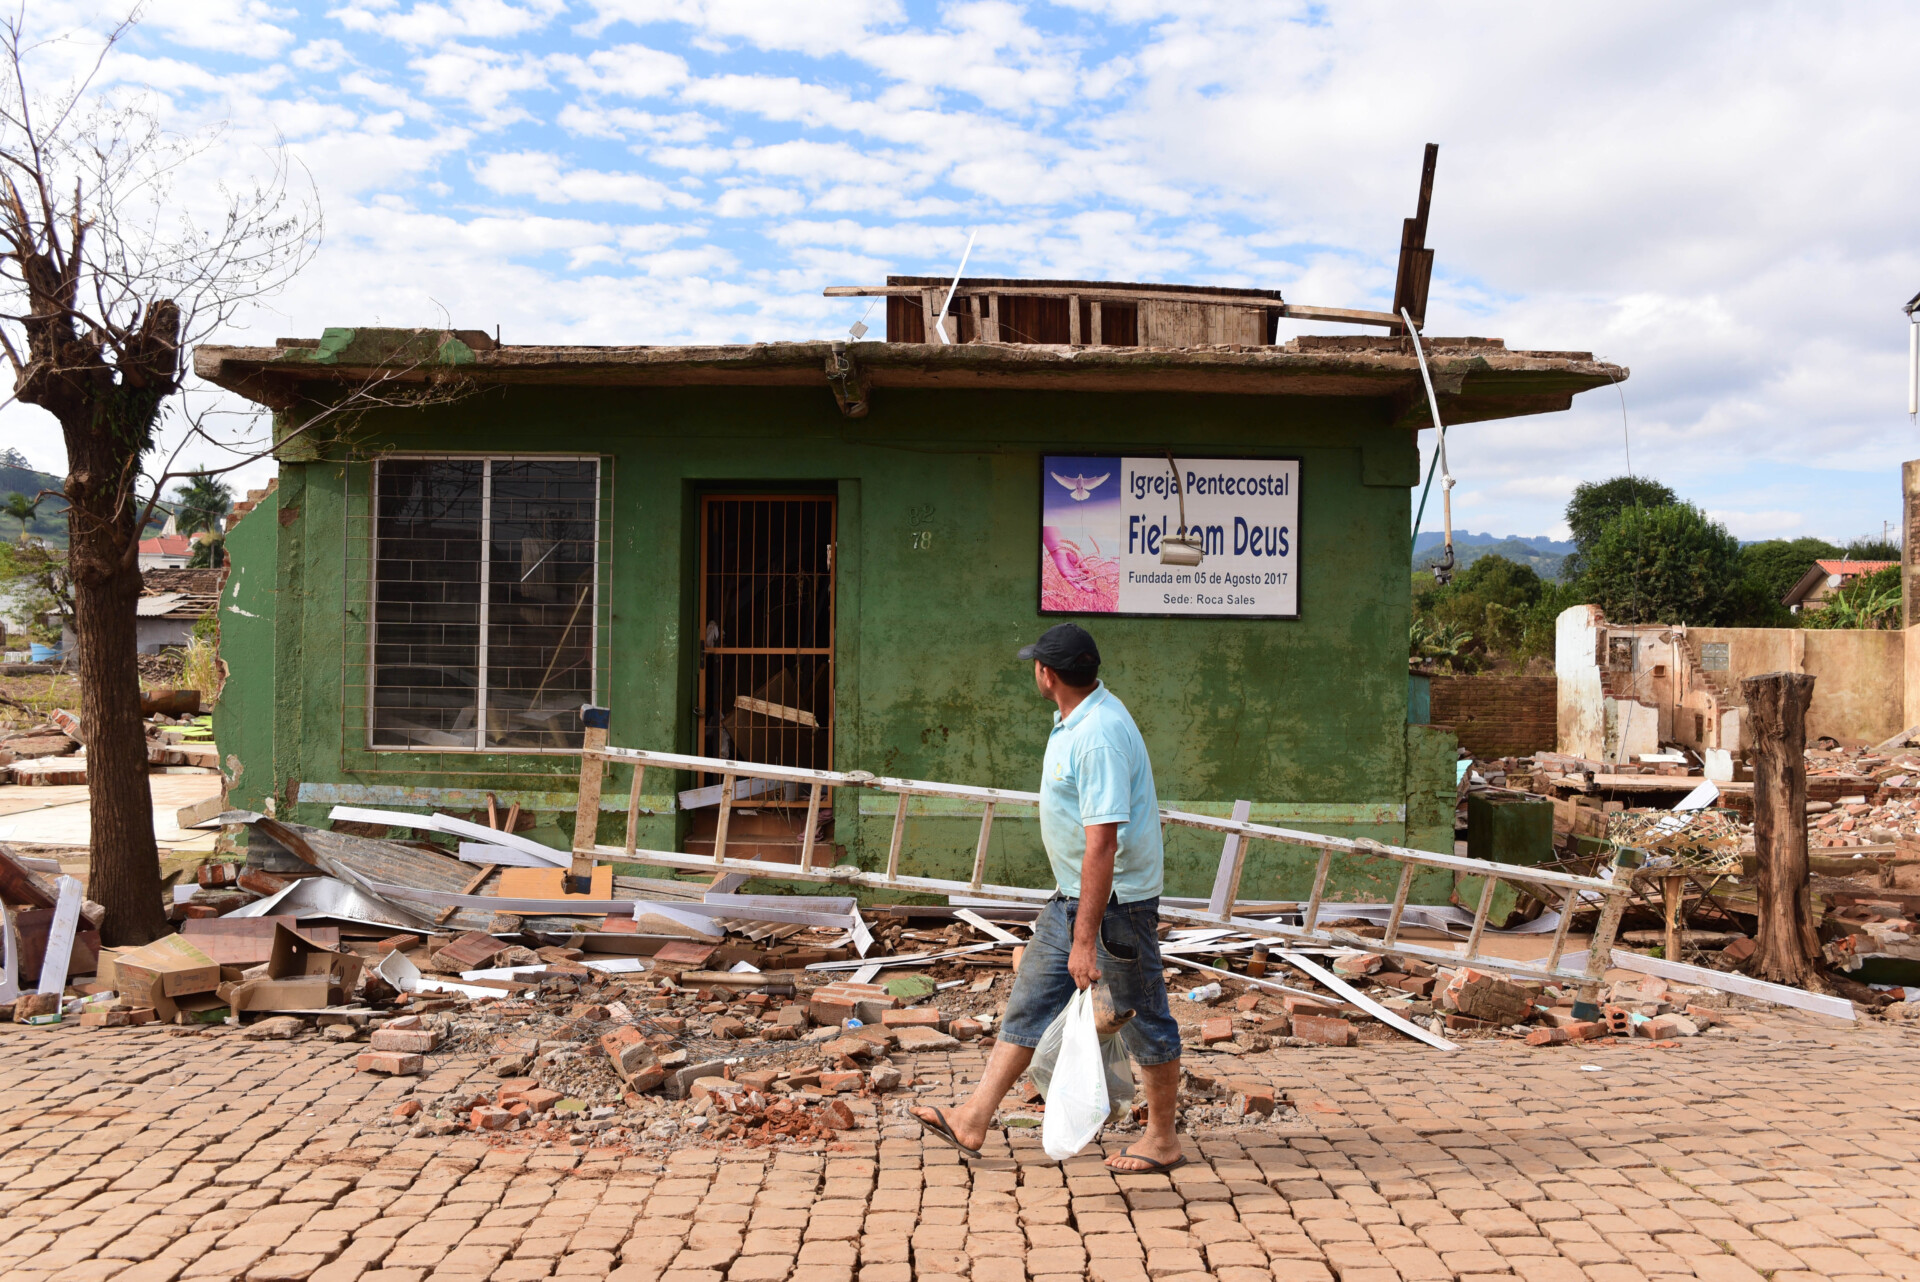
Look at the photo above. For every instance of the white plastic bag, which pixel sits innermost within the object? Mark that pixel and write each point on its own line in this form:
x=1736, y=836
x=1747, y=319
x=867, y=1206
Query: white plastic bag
x=1113, y=1053
x=1077, y=1105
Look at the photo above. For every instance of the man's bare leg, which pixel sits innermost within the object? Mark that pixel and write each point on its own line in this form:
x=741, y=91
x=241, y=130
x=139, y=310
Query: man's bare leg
x=1160, y=1144
x=971, y=1119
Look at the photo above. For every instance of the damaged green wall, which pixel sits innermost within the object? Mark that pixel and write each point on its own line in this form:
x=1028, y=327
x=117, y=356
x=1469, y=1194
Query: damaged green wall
x=243, y=720
x=1306, y=718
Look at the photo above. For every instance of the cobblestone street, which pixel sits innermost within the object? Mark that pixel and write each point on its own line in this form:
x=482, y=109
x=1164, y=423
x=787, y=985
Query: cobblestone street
x=1784, y=1149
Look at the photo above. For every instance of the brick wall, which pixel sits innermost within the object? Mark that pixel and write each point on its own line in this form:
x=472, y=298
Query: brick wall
x=1497, y=716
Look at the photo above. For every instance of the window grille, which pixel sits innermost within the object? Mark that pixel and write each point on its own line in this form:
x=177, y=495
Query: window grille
x=485, y=602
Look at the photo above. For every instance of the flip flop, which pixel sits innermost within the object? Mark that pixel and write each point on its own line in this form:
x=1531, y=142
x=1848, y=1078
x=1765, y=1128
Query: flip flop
x=1152, y=1167
x=940, y=1130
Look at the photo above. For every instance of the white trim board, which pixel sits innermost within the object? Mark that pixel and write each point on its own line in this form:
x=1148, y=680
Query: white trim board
x=1721, y=981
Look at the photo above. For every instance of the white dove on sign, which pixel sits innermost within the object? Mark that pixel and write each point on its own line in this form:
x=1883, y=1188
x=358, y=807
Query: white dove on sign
x=1082, y=488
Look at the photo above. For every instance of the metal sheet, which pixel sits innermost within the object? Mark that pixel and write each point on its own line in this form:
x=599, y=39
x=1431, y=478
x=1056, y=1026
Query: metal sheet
x=325, y=897
x=546, y=855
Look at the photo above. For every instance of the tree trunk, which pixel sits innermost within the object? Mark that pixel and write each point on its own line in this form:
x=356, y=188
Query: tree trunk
x=1788, y=948
x=124, y=865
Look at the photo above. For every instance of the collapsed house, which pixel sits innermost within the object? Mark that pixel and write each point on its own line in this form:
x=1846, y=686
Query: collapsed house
x=1627, y=689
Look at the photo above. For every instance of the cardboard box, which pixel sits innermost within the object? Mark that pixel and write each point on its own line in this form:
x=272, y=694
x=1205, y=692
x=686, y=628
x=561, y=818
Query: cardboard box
x=301, y=974
x=295, y=954
x=169, y=967
x=295, y=992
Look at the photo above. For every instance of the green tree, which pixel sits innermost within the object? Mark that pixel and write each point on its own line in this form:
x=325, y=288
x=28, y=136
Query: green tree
x=1489, y=610
x=1872, y=550
x=1775, y=565
x=22, y=509
x=202, y=503
x=1596, y=503
x=208, y=550
x=1667, y=564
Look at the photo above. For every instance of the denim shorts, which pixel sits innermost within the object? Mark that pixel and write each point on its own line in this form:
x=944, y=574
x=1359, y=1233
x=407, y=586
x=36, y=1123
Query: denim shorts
x=1130, y=966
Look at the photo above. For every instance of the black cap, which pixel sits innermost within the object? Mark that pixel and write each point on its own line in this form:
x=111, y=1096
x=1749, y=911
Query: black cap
x=1065, y=647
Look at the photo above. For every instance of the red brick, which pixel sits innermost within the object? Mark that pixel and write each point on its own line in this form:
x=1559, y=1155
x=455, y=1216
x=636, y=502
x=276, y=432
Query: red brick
x=1549, y=1037
x=489, y=1118
x=926, y=1015
x=398, y=1063
x=834, y=1083
x=1216, y=1030
x=414, y=1040
x=1323, y=1030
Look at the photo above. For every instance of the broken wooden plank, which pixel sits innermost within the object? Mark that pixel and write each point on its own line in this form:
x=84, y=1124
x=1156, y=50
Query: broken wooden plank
x=1366, y=1003
x=473, y=884
x=779, y=711
x=1233, y=853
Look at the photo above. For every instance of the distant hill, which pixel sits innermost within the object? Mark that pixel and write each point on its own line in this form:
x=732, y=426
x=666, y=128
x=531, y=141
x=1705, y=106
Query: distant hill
x=18, y=476
x=1545, y=555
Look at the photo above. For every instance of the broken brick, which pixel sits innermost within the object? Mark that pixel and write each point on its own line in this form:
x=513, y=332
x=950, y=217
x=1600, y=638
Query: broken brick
x=416, y=1040
x=491, y=1119
x=1216, y=1030
x=834, y=1083
x=1356, y=965
x=396, y=1063
x=1483, y=996
x=1323, y=1030
x=1549, y=1037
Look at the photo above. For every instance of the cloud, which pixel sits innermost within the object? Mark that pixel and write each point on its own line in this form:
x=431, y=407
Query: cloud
x=487, y=80
x=542, y=176
x=626, y=71
x=1704, y=196
x=250, y=27
x=428, y=24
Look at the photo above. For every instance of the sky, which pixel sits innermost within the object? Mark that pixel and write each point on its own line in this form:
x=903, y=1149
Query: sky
x=1712, y=196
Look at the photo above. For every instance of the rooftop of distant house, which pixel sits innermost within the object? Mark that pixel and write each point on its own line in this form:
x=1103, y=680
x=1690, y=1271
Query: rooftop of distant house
x=179, y=593
x=1830, y=574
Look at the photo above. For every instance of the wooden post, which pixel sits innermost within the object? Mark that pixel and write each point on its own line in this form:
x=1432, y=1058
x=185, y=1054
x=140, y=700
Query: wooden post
x=633, y=809
x=726, y=813
x=1226, y=878
x=813, y=825
x=980, y=848
x=1788, y=949
x=899, y=836
x=1672, y=889
x=586, y=816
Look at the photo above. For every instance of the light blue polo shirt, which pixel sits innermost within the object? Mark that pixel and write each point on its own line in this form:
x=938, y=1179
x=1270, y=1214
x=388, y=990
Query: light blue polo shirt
x=1097, y=772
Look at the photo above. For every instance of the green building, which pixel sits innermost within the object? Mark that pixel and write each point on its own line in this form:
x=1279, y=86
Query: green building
x=826, y=554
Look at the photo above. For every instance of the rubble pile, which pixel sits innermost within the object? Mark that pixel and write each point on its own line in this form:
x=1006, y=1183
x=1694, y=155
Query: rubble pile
x=54, y=752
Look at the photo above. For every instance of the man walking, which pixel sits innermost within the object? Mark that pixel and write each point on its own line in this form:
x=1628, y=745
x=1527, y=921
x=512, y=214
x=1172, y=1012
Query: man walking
x=1100, y=823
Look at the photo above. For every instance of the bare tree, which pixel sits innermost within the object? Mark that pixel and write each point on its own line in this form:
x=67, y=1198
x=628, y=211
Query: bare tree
x=107, y=274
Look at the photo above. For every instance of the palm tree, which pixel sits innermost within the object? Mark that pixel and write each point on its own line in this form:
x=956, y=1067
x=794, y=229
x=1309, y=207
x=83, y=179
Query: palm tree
x=22, y=509
x=203, y=502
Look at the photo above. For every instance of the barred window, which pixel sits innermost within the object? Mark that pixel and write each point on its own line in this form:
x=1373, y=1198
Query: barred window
x=485, y=595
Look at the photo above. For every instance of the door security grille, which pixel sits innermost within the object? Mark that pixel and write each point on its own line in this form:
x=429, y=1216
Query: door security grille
x=765, y=689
